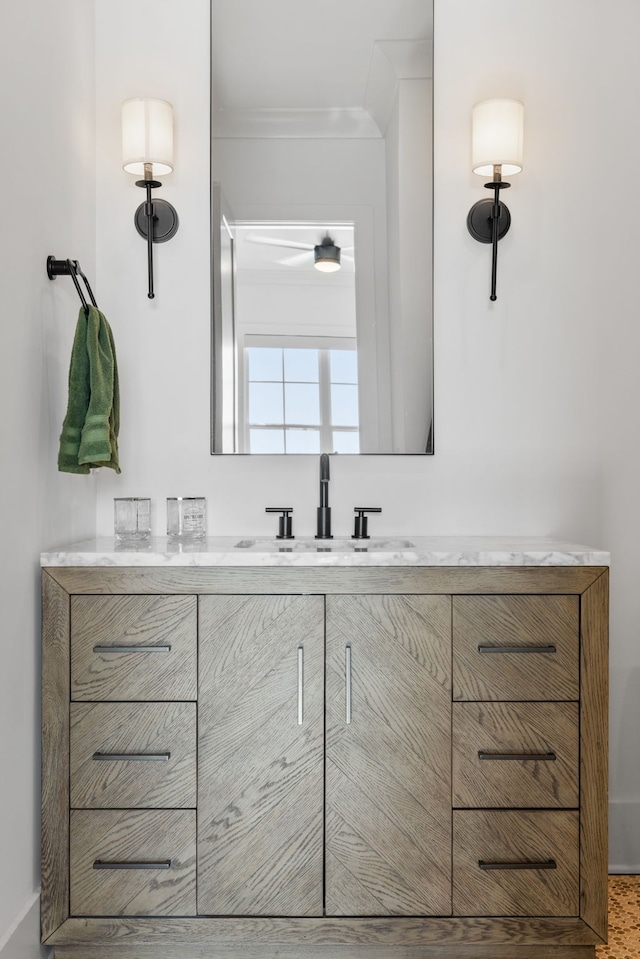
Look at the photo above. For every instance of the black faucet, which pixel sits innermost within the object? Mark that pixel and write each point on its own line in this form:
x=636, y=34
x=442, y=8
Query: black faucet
x=324, y=510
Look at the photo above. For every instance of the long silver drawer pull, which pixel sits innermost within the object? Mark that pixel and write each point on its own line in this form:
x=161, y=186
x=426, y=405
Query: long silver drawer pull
x=132, y=757
x=516, y=649
x=132, y=649
x=161, y=864
x=300, y=685
x=547, y=864
x=347, y=669
x=532, y=757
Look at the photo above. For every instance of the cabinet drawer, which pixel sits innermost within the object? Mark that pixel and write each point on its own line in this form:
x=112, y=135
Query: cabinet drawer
x=515, y=863
x=133, y=647
x=133, y=754
x=515, y=754
x=514, y=648
x=133, y=863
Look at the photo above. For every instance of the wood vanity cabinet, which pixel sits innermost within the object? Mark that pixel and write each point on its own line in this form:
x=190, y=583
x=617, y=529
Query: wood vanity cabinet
x=354, y=819
x=309, y=762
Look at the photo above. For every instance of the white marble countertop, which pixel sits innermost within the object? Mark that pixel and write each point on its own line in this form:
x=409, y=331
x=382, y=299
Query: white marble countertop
x=307, y=551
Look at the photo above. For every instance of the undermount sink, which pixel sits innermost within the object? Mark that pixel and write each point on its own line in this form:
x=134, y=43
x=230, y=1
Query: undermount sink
x=310, y=544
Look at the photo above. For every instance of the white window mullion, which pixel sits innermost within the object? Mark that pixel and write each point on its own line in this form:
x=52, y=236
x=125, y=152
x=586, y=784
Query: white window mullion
x=326, y=432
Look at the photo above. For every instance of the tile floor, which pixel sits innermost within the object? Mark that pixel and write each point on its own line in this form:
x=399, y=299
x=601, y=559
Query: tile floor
x=624, y=919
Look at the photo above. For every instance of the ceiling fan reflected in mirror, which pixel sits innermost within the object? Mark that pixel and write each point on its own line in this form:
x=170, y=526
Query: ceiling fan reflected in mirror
x=325, y=255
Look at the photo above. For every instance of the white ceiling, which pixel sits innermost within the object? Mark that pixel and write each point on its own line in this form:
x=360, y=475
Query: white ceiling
x=304, y=54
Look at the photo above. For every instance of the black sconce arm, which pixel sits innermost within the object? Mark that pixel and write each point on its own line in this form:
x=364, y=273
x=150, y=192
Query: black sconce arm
x=488, y=221
x=156, y=221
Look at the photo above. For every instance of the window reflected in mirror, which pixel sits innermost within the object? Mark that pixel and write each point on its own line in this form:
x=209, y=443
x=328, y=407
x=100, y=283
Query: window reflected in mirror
x=300, y=399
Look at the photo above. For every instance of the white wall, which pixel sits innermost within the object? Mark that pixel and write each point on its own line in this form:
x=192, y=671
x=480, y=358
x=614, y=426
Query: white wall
x=511, y=456
x=536, y=414
x=409, y=151
x=162, y=344
x=291, y=304
x=47, y=173
x=617, y=335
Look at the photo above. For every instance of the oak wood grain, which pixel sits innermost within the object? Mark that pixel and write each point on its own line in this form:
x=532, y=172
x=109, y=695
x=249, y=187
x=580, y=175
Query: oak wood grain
x=131, y=836
x=594, y=734
x=242, y=932
x=515, y=836
x=260, y=819
x=140, y=621
x=347, y=938
x=388, y=806
x=304, y=951
x=133, y=728
x=320, y=580
x=515, y=621
x=54, y=893
x=515, y=728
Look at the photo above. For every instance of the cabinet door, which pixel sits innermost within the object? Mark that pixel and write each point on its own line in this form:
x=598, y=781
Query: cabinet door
x=260, y=755
x=388, y=756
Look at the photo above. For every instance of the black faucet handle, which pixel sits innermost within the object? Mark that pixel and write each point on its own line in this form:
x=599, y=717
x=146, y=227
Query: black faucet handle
x=285, y=523
x=361, y=521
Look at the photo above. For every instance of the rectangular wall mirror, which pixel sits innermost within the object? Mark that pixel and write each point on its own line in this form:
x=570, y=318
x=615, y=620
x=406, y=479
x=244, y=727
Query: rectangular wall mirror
x=322, y=226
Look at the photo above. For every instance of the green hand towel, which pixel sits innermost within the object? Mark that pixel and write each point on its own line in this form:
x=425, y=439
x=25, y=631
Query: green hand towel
x=89, y=437
x=77, y=403
x=98, y=443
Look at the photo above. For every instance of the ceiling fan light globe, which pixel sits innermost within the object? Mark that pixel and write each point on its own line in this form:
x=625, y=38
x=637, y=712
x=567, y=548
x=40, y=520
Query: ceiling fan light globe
x=327, y=265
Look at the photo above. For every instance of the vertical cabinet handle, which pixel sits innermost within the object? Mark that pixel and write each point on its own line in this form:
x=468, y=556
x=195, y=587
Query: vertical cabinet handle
x=300, y=685
x=347, y=679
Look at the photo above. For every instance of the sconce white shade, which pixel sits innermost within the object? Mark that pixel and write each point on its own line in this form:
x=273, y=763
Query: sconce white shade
x=147, y=136
x=497, y=137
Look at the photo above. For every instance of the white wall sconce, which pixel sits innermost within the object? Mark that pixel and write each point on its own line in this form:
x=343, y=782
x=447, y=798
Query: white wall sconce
x=147, y=151
x=496, y=150
x=326, y=256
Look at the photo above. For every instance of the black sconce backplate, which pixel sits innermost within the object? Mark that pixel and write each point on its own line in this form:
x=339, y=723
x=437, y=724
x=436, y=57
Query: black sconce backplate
x=165, y=221
x=479, y=221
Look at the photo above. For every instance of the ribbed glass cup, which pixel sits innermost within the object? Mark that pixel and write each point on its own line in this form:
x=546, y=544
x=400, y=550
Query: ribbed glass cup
x=132, y=519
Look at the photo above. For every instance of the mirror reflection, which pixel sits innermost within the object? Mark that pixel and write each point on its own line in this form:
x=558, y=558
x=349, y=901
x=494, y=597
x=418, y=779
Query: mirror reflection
x=322, y=227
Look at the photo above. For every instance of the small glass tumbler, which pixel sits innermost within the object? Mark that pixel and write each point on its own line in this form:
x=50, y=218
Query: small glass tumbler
x=132, y=519
x=186, y=518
